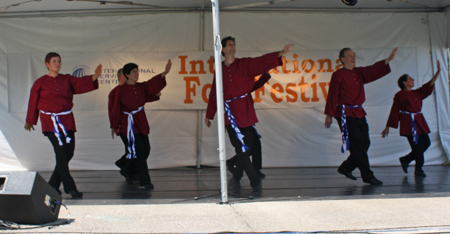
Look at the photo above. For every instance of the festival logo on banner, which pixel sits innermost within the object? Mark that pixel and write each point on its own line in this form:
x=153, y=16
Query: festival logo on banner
x=109, y=75
x=81, y=70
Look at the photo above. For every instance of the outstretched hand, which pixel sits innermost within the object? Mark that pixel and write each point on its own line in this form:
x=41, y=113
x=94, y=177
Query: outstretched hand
x=98, y=72
x=391, y=56
x=285, y=50
x=328, y=121
x=28, y=127
x=385, y=132
x=436, y=75
x=208, y=122
x=168, y=67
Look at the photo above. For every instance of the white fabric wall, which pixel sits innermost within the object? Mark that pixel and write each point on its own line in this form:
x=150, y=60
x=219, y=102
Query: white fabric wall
x=291, y=136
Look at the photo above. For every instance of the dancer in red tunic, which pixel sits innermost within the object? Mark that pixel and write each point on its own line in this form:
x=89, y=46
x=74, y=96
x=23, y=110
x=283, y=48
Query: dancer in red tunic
x=407, y=109
x=123, y=161
x=257, y=151
x=238, y=82
x=345, y=98
x=129, y=116
x=51, y=99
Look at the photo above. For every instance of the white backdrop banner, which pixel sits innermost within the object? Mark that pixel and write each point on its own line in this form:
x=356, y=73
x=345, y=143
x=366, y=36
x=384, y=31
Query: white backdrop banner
x=290, y=107
x=301, y=82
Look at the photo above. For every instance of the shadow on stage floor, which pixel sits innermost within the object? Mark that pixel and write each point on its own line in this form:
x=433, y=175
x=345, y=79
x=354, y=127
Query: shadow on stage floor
x=184, y=184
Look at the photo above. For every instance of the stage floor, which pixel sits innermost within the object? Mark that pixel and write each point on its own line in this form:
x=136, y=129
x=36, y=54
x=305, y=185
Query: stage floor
x=183, y=185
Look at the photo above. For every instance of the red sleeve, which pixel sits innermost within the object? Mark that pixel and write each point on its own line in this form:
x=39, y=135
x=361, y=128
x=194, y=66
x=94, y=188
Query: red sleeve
x=82, y=84
x=111, y=99
x=259, y=65
x=155, y=84
x=333, y=94
x=426, y=90
x=117, y=110
x=151, y=98
x=376, y=71
x=33, y=112
x=262, y=80
x=211, y=109
x=394, y=115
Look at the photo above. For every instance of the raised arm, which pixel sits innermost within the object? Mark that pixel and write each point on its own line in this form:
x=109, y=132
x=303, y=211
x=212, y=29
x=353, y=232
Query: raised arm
x=98, y=72
x=261, y=81
x=285, y=50
x=391, y=57
x=168, y=67
x=436, y=75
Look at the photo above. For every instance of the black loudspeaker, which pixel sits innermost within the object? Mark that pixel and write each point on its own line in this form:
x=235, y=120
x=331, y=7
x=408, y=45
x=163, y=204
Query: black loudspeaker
x=26, y=198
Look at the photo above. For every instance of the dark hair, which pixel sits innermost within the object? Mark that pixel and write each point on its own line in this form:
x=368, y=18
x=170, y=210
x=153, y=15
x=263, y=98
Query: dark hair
x=128, y=68
x=342, y=53
x=119, y=73
x=401, y=80
x=51, y=55
x=224, y=42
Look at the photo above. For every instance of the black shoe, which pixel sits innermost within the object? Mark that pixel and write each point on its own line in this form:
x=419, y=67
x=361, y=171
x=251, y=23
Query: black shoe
x=373, y=181
x=75, y=194
x=235, y=184
x=420, y=174
x=256, y=189
x=147, y=186
x=348, y=175
x=404, y=164
x=261, y=175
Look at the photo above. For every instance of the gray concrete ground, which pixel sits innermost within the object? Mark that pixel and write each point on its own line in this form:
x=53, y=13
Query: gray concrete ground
x=380, y=215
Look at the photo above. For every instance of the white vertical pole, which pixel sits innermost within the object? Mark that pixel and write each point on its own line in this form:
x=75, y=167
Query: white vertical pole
x=220, y=103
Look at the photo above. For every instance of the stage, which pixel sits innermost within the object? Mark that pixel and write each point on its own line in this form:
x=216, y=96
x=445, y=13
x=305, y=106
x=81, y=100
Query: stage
x=182, y=185
x=312, y=200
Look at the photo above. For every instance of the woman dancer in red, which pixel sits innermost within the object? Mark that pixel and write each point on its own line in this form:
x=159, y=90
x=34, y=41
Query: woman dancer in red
x=129, y=115
x=407, y=109
x=51, y=98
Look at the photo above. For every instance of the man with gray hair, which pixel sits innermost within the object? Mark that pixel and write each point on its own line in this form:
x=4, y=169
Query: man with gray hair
x=345, y=98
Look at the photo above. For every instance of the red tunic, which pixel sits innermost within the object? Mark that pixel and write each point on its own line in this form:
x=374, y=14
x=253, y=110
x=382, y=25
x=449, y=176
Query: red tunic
x=239, y=79
x=409, y=101
x=261, y=81
x=347, y=87
x=55, y=95
x=112, y=98
x=131, y=97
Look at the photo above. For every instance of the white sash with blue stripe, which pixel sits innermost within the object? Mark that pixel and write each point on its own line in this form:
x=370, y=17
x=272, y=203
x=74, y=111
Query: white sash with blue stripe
x=130, y=133
x=344, y=131
x=56, y=123
x=413, y=123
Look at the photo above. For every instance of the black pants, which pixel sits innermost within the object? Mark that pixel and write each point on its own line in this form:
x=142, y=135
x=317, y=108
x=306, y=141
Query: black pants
x=243, y=158
x=63, y=154
x=417, y=151
x=123, y=160
x=358, y=135
x=256, y=154
x=142, y=147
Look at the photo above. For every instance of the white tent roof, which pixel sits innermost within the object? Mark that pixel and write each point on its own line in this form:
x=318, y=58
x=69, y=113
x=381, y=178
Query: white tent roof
x=14, y=8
